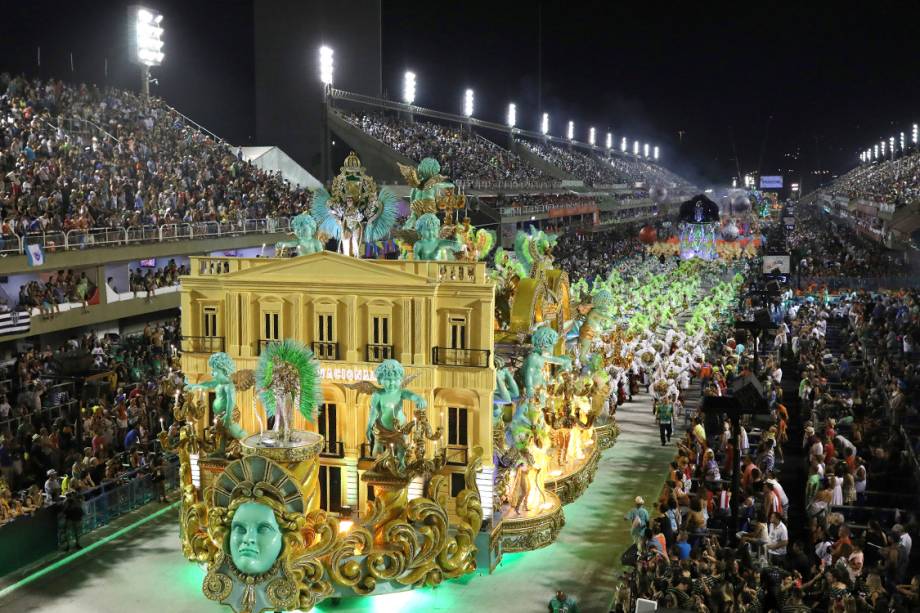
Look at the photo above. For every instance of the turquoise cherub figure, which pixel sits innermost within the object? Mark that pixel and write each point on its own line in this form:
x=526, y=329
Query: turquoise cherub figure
x=387, y=426
x=543, y=339
x=223, y=384
x=431, y=246
x=304, y=227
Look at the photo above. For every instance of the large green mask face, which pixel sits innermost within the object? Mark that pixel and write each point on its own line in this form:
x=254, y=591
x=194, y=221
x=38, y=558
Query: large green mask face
x=255, y=539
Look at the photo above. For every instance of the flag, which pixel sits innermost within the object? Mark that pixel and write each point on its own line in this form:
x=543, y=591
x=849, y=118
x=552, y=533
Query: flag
x=36, y=255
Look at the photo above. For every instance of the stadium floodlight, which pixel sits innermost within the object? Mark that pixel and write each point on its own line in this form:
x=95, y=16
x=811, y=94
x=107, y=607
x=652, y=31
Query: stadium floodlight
x=591, y=136
x=914, y=135
x=734, y=182
x=609, y=142
x=409, y=87
x=902, y=141
x=512, y=115
x=571, y=131
x=544, y=124
x=636, y=147
x=655, y=153
x=468, y=103
x=645, y=150
x=326, y=64
x=623, y=145
x=891, y=145
x=884, y=144
x=149, y=37
x=875, y=157
x=862, y=156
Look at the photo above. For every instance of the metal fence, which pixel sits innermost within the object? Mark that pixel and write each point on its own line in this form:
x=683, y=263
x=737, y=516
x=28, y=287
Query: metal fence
x=115, y=237
x=866, y=283
x=109, y=501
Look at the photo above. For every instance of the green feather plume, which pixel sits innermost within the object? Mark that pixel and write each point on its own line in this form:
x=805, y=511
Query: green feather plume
x=300, y=359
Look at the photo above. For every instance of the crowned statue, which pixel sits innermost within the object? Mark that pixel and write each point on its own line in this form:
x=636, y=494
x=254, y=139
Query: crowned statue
x=353, y=212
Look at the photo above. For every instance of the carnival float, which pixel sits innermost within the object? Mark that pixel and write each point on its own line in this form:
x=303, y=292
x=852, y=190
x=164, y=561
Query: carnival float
x=354, y=426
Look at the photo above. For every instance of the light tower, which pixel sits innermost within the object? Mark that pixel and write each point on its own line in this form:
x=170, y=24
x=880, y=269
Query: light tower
x=512, y=115
x=149, y=43
x=591, y=136
x=571, y=131
x=623, y=145
x=468, y=103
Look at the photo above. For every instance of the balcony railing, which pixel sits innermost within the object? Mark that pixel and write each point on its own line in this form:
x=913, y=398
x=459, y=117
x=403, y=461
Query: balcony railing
x=121, y=236
x=447, y=356
x=378, y=353
x=325, y=350
x=333, y=449
x=202, y=344
x=456, y=456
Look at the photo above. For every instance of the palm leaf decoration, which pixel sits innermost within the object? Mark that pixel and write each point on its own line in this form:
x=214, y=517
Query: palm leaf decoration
x=288, y=367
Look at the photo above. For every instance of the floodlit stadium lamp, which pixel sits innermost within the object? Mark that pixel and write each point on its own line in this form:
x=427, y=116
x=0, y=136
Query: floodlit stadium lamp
x=468, y=103
x=409, y=87
x=623, y=145
x=883, y=148
x=645, y=150
x=635, y=147
x=734, y=182
x=544, y=124
x=655, y=153
x=512, y=115
x=591, y=137
x=876, y=153
x=609, y=142
x=914, y=134
x=325, y=64
x=902, y=141
x=571, y=130
x=891, y=145
x=149, y=37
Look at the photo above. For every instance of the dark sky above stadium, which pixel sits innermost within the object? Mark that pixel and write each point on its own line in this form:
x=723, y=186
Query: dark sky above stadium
x=720, y=88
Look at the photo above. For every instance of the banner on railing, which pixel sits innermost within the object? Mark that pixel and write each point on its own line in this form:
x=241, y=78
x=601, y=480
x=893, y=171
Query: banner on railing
x=15, y=322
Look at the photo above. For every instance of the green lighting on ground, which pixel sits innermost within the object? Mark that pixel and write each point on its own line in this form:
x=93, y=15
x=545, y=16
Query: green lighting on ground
x=82, y=552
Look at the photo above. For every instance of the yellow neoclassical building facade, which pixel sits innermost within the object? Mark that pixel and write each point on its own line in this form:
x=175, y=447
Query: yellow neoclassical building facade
x=436, y=318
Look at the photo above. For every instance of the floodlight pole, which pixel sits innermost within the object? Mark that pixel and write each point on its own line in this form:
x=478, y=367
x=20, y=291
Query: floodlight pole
x=326, y=148
x=145, y=81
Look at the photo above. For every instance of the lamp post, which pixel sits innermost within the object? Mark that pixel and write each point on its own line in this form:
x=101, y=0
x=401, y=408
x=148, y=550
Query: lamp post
x=571, y=131
x=409, y=87
x=544, y=124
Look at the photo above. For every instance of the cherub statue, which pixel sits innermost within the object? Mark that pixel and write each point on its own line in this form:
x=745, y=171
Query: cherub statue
x=286, y=375
x=426, y=183
x=543, y=340
x=224, y=382
x=387, y=427
x=354, y=201
x=431, y=246
x=304, y=227
x=506, y=389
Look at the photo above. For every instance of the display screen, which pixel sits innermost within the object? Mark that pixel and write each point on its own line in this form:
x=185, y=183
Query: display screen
x=771, y=182
x=151, y=263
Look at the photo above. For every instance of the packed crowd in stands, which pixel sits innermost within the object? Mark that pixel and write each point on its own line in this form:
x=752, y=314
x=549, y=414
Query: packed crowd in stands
x=893, y=182
x=58, y=175
x=590, y=254
x=599, y=172
x=53, y=443
x=60, y=288
x=822, y=248
x=462, y=154
x=844, y=546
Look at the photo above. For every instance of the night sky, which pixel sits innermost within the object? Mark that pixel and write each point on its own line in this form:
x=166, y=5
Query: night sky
x=719, y=89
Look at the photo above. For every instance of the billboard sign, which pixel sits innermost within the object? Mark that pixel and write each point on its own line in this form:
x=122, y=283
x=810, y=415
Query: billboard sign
x=771, y=182
x=776, y=263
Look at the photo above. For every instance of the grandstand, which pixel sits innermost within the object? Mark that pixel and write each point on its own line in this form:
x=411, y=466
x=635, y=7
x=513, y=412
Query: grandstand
x=881, y=199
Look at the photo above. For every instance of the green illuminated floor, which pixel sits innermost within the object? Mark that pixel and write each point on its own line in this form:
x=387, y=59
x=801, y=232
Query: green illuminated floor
x=143, y=570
